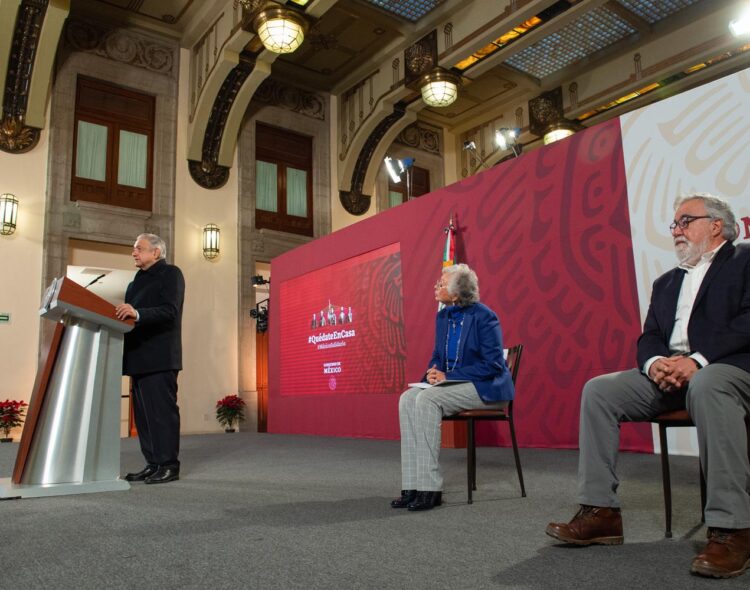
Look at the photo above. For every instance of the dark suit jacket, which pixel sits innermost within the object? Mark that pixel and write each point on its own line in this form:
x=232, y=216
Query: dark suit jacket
x=480, y=353
x=719, y=326
x=155, y=343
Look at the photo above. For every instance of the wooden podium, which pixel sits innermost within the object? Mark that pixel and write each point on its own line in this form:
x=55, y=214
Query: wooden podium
x=71, y=439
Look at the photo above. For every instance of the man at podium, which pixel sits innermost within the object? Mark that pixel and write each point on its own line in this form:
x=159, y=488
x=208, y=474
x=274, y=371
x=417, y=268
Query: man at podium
x=153, y=357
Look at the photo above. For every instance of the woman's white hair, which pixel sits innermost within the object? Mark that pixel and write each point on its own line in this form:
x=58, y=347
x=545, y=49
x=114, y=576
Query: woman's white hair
x=462, y=283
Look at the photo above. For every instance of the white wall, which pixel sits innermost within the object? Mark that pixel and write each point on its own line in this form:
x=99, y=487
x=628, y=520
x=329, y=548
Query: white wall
x=25, y=176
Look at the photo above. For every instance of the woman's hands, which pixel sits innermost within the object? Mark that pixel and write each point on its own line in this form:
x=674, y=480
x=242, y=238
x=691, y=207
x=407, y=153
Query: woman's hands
x=434, y=375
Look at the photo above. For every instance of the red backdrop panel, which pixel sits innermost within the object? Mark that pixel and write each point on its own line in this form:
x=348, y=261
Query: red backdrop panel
x=549, y=236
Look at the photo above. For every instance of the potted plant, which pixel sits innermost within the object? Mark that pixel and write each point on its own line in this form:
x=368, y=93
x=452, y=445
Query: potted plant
x=11, y=416
x=228, y=410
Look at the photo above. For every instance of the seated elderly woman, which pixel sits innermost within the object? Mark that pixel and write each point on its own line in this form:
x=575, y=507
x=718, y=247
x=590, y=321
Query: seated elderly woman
x=467, y=371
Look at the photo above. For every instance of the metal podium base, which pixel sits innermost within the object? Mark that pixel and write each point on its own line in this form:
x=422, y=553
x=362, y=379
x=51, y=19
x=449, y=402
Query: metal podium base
x=9, y=490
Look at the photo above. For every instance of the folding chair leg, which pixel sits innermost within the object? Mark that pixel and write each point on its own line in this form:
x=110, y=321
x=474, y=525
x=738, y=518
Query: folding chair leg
x=703, y=497
x=666, y=481
x=471, y=458
x=515, y=454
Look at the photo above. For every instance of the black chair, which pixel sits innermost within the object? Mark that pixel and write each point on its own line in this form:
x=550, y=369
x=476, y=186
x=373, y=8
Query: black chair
x=678, y=418
x=513, y=358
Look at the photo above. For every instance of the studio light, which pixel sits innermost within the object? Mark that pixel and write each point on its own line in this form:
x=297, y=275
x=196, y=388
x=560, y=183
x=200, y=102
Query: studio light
x=8, y=214
x=281, y=30
x=211, y=239
x=506, y=139
x=471, y=146
x=439, y=88
x=395, y=176
x=741, y=26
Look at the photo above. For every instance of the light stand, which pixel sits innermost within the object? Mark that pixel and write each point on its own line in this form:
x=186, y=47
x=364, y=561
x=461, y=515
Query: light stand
x=398, y=168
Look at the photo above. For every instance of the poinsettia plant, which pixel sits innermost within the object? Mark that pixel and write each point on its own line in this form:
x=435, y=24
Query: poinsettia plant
x=11, y=415
x=230, y=409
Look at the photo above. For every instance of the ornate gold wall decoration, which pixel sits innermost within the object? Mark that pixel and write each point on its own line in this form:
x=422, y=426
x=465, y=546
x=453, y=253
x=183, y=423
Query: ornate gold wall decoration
x=15, y=136
x=208, y=175
x=420, y=58
x=545, y=110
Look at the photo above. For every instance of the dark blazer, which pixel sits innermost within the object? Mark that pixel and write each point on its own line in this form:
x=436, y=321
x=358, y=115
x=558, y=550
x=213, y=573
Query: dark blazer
x=719, y=326
x=480, y=353
x=155, y=343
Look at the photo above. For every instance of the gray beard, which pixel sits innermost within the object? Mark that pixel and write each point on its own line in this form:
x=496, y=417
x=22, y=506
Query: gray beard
x=690, y=252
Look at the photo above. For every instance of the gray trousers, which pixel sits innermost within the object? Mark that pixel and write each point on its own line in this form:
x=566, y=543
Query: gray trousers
x=420, y=414
x=718, y=400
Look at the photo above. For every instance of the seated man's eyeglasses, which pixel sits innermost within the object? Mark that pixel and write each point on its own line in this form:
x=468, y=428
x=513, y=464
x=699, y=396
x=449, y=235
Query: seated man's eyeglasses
x=686, y=220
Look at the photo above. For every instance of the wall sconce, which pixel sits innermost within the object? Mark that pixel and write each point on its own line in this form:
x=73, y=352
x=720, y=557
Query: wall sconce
x=8, y=214
x=280, y=29
x=211, y=238
x=439, y=88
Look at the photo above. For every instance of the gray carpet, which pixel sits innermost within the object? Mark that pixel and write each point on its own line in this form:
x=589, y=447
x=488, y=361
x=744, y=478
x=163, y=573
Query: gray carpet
x=272, y=511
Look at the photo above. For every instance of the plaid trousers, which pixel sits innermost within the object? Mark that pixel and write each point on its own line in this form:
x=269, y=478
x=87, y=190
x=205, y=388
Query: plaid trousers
x=420, y=413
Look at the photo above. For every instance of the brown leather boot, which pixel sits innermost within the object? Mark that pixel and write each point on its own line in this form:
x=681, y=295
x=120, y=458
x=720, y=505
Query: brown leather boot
x=592, y=525
x=726, y=555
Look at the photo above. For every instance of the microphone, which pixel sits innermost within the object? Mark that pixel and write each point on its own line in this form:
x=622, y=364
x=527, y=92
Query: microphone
x=95, y=280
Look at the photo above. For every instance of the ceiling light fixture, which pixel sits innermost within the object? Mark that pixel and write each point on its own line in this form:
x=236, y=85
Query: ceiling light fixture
x=439, y=88
x=280, y=29
x=559, y=130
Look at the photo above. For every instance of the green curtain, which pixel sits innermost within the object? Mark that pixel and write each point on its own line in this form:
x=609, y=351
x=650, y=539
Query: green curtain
x=133, y=159
x=296, y=192
x=266, y=190
x=395, y=198
x=91, y=151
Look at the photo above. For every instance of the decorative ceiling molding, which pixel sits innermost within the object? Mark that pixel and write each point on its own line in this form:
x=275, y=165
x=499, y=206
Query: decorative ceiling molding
x=421, y=137
x=122, y=46
x=291, y=98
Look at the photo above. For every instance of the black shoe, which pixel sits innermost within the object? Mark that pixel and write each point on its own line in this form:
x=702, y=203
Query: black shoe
x=164, y=475
x=426, y=501
x=407, y=497
x=142, y=474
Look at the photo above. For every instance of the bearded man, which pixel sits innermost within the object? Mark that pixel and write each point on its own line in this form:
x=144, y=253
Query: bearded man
x=694, y=353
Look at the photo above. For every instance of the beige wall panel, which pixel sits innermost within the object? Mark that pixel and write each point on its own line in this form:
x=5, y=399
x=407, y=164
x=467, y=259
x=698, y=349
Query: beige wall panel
x=209, y=323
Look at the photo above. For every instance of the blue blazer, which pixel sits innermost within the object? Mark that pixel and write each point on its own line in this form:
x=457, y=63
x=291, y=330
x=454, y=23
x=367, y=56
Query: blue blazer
x=719, y=325
x=480, y=353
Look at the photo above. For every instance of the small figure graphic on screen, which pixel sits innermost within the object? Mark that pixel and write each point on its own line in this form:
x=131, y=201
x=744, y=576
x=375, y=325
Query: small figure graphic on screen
x=322, y=319
x=350, y=315
x=331, y=315
x=314, y=322
x=342, y=316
